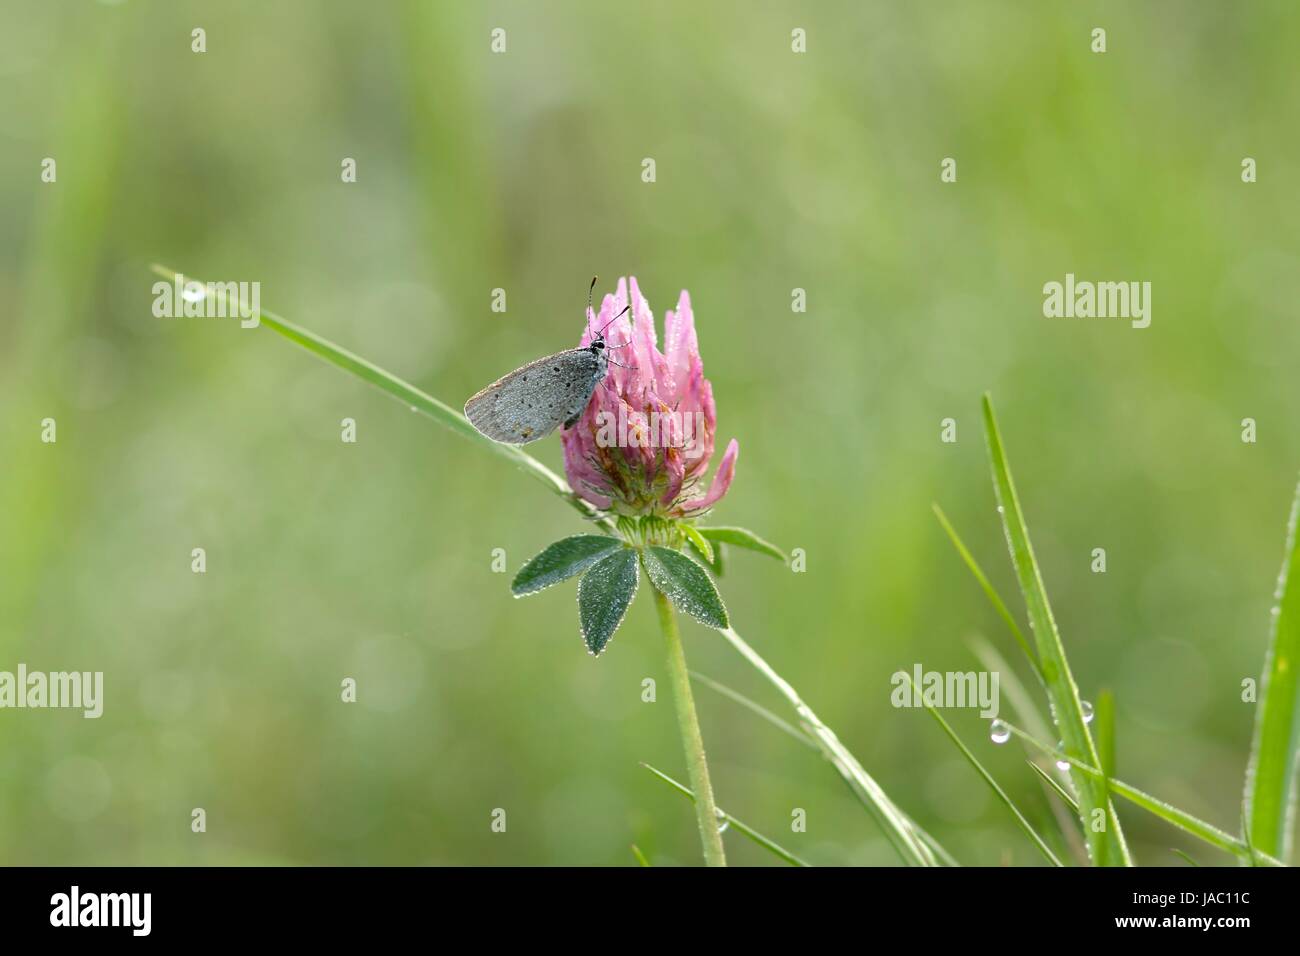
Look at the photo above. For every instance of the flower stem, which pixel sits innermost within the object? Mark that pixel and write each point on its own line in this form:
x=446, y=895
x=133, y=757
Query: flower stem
x=706, y=812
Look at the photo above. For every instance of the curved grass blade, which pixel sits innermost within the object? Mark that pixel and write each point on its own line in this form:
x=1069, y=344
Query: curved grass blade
x=1107, y=847
x=413, y=398
x=1271, y=784
x=1015, y=692
x=756, y=708
x=770, y=845
x=1104, y=715
x=1059, y=790
x=1253, y=856
x=1011, y=686
x=1165, y=811
x=944, y=856
x=805, y=737
x=640, y=857
x=993, y=784
x=991, y=592
x=903, y=835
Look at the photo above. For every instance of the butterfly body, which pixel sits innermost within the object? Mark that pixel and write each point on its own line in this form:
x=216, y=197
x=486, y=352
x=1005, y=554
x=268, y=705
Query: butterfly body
x=532, y=401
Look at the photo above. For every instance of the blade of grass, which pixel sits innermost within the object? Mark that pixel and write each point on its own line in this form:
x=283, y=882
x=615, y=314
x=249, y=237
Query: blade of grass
x=1056, y=788
x=898, y=829
x=991, y=592
x=1010, y=685
x=640, y=857
x=770, y=845
x=804, y=737
x=1015, y=692
x=988, y=778
x=1107, y=846
x=944, y=856
x=756, y=708
x=1104, y=715
x=1253, y=857
x=406, y=393
x=1165, y=811
x=1275, y=750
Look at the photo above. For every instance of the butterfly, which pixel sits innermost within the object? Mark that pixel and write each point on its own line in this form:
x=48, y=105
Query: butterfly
x=531, y=402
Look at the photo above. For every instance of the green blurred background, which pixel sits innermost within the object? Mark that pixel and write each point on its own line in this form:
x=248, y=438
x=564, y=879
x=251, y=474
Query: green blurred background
x=522, y=171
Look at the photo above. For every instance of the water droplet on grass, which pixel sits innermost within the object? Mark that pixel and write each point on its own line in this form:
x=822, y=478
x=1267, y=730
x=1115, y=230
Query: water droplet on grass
x=999, y=732
x=1062, y=764
x=723, y=822
x=1086, y=708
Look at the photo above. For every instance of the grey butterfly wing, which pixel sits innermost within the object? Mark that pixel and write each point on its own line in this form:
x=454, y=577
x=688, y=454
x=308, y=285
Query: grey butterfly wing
x=531, y=402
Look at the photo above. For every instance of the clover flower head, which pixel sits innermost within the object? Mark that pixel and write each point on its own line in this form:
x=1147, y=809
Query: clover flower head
x=643, y=444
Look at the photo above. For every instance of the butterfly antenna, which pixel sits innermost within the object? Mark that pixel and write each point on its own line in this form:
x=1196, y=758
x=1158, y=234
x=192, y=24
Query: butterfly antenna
x=601, y=333
x=619, y=364
x=590, y=289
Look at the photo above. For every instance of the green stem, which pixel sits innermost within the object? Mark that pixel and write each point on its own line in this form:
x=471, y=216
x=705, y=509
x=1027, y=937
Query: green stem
x=706, y=812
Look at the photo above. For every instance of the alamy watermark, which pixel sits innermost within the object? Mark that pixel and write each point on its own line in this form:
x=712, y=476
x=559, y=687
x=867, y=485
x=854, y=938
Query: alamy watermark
x=75, y=690
x=130, y=910
x=1102, y=300
x=940, y=689
x=670, y=429
x=208, y=300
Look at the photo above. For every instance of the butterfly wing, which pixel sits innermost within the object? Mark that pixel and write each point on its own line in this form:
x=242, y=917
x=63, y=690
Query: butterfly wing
x=531, y=402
